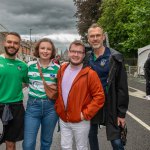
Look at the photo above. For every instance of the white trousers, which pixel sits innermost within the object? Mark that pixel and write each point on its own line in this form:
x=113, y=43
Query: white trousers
x=79, y=131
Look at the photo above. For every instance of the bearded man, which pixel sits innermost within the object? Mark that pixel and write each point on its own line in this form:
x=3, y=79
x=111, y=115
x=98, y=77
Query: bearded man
x=13, y=72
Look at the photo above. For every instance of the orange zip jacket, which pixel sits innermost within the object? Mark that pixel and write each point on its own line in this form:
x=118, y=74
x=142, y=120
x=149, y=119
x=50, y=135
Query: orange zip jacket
x=86, y=95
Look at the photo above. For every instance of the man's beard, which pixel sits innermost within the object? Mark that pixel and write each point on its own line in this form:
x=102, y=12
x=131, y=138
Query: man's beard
x=11, y=54
x=76, y=64
x=96, y=46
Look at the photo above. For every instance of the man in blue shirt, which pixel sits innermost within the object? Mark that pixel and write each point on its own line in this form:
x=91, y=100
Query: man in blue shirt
x=109, y=65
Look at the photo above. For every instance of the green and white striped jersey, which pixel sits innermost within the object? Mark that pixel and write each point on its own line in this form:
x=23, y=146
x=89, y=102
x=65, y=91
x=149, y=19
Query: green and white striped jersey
x=36, y=88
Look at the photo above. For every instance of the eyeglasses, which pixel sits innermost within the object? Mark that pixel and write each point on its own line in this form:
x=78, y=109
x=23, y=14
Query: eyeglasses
x=74, y=52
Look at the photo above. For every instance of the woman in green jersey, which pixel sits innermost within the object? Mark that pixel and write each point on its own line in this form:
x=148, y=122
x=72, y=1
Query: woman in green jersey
x=40, y=109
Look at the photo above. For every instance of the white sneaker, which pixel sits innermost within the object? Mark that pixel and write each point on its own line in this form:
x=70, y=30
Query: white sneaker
x=148, y=97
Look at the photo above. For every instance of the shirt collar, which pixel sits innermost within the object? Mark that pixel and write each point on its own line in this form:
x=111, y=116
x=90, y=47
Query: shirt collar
x=106, y=53
x=50, y=64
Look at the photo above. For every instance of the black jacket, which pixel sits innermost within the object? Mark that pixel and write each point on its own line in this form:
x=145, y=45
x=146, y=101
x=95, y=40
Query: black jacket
x=117, y=97
x=147, y=69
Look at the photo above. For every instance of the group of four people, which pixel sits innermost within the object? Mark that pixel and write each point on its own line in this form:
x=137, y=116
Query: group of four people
x=92, y=90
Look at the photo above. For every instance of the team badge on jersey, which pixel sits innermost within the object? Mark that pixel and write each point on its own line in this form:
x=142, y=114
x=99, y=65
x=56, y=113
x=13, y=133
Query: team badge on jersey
x=52, y=76
x=103, y=62
x=19, y=67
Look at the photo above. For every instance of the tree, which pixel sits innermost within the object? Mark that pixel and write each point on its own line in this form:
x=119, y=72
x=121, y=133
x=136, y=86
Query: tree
x=88, y=12
x=127, y=23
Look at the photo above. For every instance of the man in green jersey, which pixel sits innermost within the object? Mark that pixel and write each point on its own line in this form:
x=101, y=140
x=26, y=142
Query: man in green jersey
x=13, y=72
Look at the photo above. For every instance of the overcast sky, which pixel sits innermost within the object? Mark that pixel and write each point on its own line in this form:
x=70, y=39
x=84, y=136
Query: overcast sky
x=52, y=18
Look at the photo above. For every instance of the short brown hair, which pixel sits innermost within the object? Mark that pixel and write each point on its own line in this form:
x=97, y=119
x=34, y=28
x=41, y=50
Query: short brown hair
x=36, y=53
x=13, y=33
x=77, y=42
x=95, y=25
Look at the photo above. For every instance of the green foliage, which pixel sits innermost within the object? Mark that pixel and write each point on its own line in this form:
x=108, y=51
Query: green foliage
x=127, y=23
x=87, y=13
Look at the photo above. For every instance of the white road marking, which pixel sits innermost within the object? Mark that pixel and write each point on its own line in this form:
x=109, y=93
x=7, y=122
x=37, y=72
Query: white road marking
x=139, y=120
x=137, y=93
x=140, y=94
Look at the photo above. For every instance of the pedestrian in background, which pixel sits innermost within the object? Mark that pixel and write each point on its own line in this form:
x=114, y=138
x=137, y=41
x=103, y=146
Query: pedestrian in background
x=13, y=72
x=57, y=60
x=147, y=76
x=80, y=97
x=109, y=65
x=40, y=109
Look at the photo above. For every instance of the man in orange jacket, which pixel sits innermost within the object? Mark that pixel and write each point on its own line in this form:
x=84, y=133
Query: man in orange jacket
x=80, y=96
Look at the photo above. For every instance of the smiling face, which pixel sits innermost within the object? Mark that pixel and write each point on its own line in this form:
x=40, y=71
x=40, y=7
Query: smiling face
x=96, y=37
x=11, y=45
x=76, y=54
x=45, y=50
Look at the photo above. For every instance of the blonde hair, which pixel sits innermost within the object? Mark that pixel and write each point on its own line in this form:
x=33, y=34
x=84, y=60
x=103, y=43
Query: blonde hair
x=77, y=42
x=95, y=25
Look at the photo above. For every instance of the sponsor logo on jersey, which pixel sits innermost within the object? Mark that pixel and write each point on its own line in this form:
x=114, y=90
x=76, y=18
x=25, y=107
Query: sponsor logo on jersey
x=37, y=85
x=1, y=65
x=9, y=64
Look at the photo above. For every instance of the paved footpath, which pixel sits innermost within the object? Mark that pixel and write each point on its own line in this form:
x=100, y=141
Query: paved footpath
x=56, y=142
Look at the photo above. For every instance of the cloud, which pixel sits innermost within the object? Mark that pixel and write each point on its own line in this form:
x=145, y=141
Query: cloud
x=63, y=37
x=61, y=40
x=51, y=18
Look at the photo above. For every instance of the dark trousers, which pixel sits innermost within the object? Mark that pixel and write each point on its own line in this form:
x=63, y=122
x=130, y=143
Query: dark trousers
x=93, y=140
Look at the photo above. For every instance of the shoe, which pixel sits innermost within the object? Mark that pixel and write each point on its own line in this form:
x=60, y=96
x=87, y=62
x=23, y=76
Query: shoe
x=148, y=97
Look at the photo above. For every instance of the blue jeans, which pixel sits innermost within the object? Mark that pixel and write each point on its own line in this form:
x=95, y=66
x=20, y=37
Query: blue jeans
x=117, y=144
x=93, y=139
x=39, y=112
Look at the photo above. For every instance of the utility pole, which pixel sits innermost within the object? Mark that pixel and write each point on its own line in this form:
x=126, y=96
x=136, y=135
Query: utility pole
x=30, y=41
x=30, y=45
x=30, y=36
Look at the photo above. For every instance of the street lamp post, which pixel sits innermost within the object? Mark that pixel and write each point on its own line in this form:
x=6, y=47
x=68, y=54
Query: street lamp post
x=30, y=41
x=30, y=44
x=30, y=35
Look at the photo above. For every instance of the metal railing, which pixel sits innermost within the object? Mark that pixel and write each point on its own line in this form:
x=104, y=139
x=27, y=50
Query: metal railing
x=132, y=70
